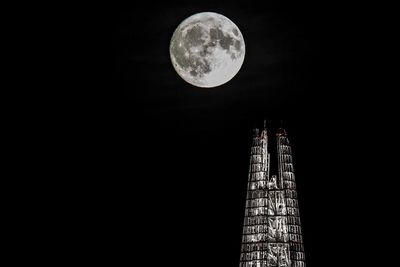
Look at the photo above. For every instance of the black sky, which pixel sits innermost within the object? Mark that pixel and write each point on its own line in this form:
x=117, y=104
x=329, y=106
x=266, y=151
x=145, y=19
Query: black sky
x=179, y=154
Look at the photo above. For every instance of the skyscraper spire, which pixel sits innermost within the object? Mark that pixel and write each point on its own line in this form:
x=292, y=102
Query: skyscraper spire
x=272, y=230
x=288, y=184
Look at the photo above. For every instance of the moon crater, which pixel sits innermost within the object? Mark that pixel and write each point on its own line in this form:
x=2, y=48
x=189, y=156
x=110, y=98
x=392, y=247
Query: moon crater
x=207, y=49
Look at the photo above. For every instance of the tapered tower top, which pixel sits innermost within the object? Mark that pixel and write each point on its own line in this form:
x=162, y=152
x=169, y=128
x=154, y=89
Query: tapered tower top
x=272, y=234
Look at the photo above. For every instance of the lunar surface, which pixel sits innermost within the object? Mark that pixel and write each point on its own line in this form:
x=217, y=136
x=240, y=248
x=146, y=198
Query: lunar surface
x=207, y=49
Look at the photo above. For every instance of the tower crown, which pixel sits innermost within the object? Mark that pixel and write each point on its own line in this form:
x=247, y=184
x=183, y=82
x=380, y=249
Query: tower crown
x=272, y=235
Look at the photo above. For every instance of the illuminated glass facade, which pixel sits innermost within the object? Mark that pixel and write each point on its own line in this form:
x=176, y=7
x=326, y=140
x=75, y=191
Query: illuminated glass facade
x=272, y=229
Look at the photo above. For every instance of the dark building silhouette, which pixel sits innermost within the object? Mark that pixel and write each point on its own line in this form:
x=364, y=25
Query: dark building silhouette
x=272, y=230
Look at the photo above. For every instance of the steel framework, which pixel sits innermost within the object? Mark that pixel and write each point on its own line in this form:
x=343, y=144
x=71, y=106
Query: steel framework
x=272, y=230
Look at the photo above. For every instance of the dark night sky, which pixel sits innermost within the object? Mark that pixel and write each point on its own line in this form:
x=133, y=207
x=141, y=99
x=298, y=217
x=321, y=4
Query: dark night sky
x=178, y=154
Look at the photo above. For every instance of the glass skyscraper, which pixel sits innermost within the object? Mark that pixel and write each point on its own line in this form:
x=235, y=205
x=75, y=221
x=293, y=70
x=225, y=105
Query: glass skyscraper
x=272, y=230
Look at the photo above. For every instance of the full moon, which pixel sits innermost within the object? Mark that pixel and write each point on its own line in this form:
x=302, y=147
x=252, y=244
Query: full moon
x=207, y=49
